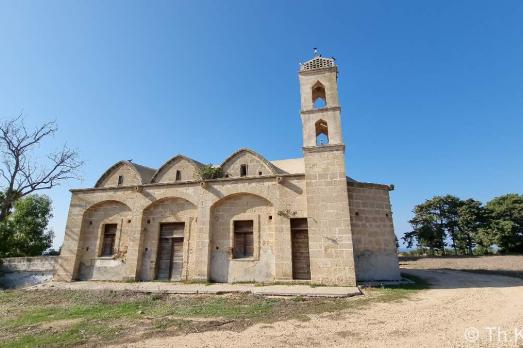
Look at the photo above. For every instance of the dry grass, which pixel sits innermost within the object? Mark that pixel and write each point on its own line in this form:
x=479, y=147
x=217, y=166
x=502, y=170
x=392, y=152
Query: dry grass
x=56, y=318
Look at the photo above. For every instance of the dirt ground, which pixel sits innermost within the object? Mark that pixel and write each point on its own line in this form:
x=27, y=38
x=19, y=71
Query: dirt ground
x=461, y=309
x=507, y=265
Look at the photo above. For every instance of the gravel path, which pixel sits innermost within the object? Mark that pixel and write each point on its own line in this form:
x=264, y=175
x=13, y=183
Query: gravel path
x=439, y=317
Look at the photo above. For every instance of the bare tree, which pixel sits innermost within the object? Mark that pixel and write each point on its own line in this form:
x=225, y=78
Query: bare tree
x=20, y=173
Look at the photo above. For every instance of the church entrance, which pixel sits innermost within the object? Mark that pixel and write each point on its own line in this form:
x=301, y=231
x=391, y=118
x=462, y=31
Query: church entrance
x=301, y=264
x=170, y=251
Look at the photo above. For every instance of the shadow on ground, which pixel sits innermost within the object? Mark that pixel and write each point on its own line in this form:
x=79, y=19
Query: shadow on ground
x=455, y=279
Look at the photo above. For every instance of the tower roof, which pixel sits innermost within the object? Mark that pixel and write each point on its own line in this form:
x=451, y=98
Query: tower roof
x=317, y=62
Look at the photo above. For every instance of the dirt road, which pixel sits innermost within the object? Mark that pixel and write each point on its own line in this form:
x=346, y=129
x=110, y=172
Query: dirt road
x=485, y=308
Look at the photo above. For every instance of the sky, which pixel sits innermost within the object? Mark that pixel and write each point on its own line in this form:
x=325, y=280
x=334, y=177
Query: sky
x=431, y=91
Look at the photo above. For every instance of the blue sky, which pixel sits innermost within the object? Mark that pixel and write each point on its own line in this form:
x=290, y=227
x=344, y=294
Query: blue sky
x=431, y=91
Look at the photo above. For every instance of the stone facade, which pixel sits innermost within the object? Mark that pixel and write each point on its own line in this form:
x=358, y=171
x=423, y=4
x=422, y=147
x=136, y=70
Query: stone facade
x=239, y=228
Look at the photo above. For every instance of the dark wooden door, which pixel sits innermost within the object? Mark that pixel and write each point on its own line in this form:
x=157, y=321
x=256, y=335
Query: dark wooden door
x=170, y=251
x=177, y=264
x=301, y=268
x=164, y=258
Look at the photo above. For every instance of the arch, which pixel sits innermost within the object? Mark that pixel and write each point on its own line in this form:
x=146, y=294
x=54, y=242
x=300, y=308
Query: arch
x=141, y=175
x=236, y=194
x=225, y=214
x=230, y=164
x=319, y=97
x=322, y=132
x=95, y=220
x=162, y=171
x=169, y=198
x=167, y=210
x=106, y=202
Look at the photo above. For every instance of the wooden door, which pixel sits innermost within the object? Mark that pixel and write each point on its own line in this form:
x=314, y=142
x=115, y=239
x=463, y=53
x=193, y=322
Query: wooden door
x=177, y=264
x=301, y=268
x=170, y=251
x=164, y=259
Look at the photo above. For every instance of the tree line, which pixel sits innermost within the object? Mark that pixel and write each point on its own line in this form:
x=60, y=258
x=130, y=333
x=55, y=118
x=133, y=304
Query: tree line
x=448, y=224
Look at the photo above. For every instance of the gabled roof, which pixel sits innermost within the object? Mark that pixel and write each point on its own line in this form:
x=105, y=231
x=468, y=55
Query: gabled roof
x=172, y=160
x=272, y=167
x=145, y=173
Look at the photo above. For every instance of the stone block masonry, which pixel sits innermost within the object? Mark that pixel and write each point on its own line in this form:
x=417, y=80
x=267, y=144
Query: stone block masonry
x=299, y=219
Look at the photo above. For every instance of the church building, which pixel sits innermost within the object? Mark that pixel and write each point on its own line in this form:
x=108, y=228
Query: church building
x=251, y=220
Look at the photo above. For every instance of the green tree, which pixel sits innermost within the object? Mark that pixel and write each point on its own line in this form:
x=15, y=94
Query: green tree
x=472, y=219
x=434, y=220
x=24, y=232
x=506, y=222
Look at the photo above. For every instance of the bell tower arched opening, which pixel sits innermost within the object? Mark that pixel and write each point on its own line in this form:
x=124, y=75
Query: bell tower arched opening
x=322, y=132
x=319, y=98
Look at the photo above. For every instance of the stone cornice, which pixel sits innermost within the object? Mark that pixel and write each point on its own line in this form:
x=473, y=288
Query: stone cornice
x=318, y=111
x=370, y=185
x=319, y=71
x=324, y=148
x=187, y=183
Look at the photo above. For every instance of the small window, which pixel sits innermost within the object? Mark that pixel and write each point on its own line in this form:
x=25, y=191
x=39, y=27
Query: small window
x=243, y=239
x=260, y=173
x=120, y=180
x=108, y=240
x=243, y=170
x=178, y=175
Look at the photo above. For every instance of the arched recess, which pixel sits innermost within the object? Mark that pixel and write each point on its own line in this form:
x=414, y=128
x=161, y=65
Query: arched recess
x=96, y=219
x=165, y=211
x=322, y=132
x=319, y=97
x=257, y=213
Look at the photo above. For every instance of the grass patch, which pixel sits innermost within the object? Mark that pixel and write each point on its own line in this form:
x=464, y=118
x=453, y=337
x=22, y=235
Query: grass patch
x=58, y=318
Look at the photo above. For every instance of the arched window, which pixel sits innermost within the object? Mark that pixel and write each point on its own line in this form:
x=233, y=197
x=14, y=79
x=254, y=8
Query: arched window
x=319, y=99
x=322, y=133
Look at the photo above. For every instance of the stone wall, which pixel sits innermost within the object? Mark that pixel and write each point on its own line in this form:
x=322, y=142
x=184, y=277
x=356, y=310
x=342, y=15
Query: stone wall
x=208, y=209
x=286, y=193
x=168, y=172
x=129, y=174
x=259, y=267
x=328, y=78
x=255, y=166
x=372, y=232
x=92, y=265
x=23, y=271
x=165, y=211
x=330, y=241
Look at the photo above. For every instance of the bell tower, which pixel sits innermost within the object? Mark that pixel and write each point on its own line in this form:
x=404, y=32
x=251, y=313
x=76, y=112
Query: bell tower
x=330, y=237
x=320, y=106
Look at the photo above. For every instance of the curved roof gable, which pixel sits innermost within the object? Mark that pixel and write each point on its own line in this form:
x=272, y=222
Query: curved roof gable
x=144, y=173
x=274, y=170
x=171, y=161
